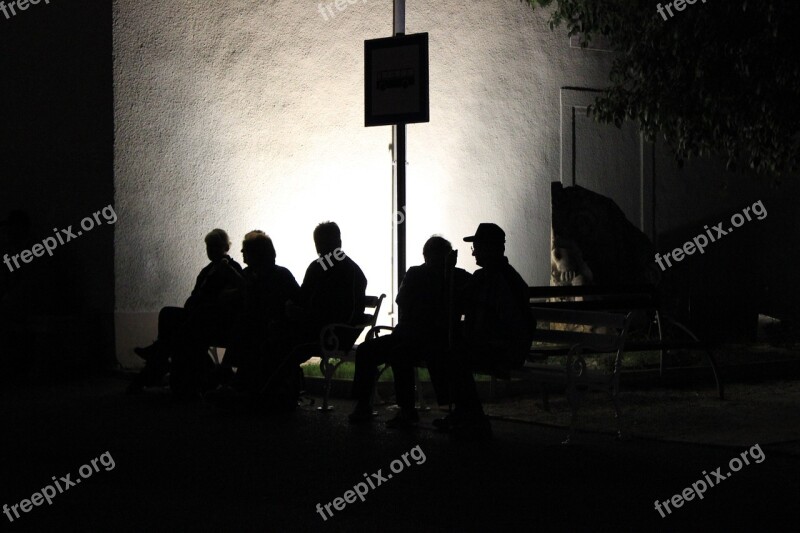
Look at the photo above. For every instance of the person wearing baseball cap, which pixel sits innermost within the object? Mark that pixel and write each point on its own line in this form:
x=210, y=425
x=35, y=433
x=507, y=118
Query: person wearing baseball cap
x=497, y=331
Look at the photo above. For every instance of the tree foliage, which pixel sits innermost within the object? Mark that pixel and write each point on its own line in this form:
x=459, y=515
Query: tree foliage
x=721, y=77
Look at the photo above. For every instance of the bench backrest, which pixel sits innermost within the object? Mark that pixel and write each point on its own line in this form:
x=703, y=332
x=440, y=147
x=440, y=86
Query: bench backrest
x=331, y=345
x=608, y=334
x=595, y=297
x=374, y=303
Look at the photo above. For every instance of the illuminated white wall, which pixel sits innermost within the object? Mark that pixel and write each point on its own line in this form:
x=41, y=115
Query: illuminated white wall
x=248, y=114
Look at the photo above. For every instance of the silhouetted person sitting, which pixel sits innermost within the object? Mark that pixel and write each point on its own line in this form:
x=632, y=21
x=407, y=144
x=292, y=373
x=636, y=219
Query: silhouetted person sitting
x=204, y=316
x=262, y=298
x=333, y=291
x=497, y=330
x=421, y=334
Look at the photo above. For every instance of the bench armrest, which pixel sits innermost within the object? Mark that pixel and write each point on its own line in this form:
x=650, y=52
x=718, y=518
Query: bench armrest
x=329, y=340
x=373, y=333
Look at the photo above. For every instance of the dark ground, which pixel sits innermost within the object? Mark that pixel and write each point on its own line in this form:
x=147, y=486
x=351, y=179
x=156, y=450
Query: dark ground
x=190, y=467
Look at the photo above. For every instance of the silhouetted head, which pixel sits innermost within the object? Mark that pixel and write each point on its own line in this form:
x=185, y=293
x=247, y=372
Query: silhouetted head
x=217, y=244
x=327, y=237
x=258, y=250
x=436, y=250
x=488, y=244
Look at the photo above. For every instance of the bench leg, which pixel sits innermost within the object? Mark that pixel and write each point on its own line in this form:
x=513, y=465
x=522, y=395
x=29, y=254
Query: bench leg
x=713, y=362
x=328, y=370
x=545, y=396
x=423, y=406
x=572, y=397
x=661, y=340
x=617, y=411
x=376, y=398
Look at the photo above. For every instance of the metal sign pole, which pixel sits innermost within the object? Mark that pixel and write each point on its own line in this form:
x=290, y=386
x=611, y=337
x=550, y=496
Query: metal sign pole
x=399, y=156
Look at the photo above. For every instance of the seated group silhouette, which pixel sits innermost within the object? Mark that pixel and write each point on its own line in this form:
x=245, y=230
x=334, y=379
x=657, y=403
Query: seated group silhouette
x=453, y=322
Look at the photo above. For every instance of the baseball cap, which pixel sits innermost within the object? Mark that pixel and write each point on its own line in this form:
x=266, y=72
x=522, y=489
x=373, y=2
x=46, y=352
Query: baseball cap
x=487, y=232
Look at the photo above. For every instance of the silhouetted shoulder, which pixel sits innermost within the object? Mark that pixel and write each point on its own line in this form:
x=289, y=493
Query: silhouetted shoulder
x=417, y=270
x=514, y=278
x=352, y=264
x=286, y=277
x=461, y=276
x=234, y=265
x=314, y=272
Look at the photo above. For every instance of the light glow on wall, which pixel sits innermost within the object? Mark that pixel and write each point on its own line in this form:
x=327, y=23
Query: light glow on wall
x=249, y=115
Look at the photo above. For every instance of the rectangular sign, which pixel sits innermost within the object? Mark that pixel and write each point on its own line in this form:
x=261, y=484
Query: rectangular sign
x=396, y=85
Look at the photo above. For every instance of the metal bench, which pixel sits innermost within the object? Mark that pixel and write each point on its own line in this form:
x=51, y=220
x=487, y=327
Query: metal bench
x=584, y=334
x=333, y=354
x=662, y=333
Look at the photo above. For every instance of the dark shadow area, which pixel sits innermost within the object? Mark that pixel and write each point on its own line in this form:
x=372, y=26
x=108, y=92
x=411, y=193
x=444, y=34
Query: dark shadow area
x=56, y=143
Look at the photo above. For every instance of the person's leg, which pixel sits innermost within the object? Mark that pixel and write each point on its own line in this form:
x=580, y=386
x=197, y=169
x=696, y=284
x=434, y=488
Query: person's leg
x=368, y=357
x=190, y=369
x=467, y=419
x=187, y=345
x=403, y=357
x=170, y=320
x=439, y=369
x=470, y=421
x=466, y=392
x=152, y=374
x=467, y=361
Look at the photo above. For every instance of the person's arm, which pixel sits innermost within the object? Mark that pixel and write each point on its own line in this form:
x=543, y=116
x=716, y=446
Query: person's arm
x=408, y=286
x=196, y=296
x=462, y=288
x=230, y=274
x=344, y=295
x=341, y=297
x=297, y=307
x=288, y=287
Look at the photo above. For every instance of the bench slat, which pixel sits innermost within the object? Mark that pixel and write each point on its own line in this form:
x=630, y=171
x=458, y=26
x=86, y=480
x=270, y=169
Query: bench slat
x=571, y=316
x=592, y=341
x=607, y=304
x=590, y=290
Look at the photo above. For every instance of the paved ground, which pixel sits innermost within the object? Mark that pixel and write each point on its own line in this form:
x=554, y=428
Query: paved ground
x=182, y=467
x=763, y=413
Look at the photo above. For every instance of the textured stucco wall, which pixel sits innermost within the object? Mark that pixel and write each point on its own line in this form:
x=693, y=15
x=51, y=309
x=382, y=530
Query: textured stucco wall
x=248, y=114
